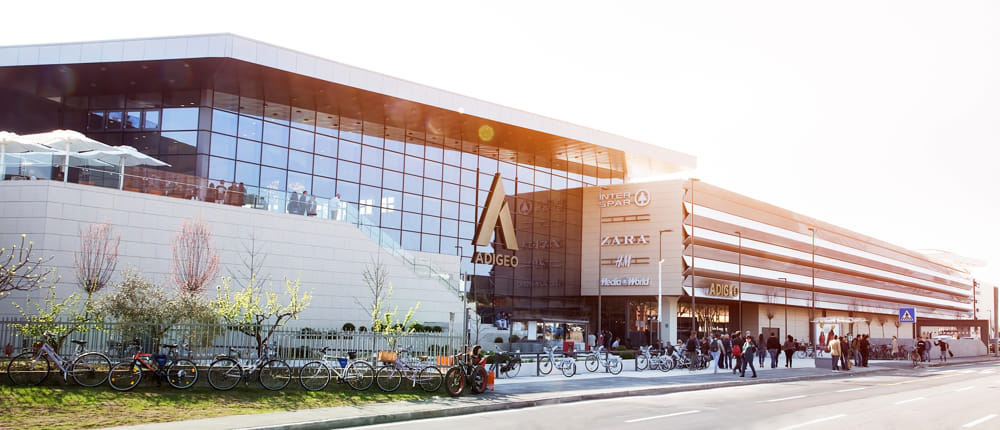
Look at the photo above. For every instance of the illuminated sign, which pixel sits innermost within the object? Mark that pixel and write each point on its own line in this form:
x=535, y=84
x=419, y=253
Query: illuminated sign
x=639, y=198
x=627, y=281
x=496, y=210
x=627, y=239
x=723, y=290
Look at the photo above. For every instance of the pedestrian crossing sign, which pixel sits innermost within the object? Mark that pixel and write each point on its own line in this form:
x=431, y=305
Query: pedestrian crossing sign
x=907, y=315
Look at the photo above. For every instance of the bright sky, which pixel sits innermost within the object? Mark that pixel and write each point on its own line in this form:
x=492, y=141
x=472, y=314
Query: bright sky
x=882, y=117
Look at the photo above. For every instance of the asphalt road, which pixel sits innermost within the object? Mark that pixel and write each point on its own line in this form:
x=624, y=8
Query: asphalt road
x=954, y=397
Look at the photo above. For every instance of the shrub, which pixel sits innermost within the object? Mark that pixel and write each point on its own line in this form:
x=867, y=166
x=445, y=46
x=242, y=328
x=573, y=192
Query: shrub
x=362, y=329
x=498, y=340
x=348, y=327
x=514, y=338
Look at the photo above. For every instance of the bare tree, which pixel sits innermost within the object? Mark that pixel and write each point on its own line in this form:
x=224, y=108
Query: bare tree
x=97, y=257
x=384, y=321
x=18, y=270
x=249, y=275
x=195, y=259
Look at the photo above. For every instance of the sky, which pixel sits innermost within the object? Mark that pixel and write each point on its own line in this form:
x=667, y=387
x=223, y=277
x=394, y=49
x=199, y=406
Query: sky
x=881, y=117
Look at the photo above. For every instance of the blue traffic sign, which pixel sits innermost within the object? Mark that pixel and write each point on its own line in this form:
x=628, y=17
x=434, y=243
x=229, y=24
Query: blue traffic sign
x=907, y=315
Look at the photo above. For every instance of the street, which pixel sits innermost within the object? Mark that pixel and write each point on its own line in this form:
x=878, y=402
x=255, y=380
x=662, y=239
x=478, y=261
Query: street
x=928, y=398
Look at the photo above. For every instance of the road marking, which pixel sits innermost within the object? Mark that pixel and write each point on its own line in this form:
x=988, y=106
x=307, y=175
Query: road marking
x=851, y=389
x=908, y=401
x=904, y=382
x=661, y=416
x=964, y=388
x=781, y=399
x=813, y=422
x=980, y=421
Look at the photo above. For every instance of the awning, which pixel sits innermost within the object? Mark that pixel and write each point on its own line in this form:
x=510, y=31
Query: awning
x=840, y=320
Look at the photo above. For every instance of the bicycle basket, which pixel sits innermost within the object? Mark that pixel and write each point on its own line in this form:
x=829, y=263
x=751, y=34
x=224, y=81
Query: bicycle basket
x=387, y=356
x=161, y=360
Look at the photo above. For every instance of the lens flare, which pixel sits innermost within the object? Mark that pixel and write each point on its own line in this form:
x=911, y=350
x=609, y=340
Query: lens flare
x=485, y=133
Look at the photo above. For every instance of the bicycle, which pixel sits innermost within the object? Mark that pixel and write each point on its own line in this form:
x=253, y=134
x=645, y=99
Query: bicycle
x=88, y=369
x=389, y=377
x=612, y=363
x=565, y=364
x=804, y=351
x=315, y=375
x=465, y=372
x=647, y=360
x=507, y=364
x=180, y=373
x=227, y=370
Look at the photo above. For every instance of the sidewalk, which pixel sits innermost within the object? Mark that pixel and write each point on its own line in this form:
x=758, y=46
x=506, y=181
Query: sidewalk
x=527, y=390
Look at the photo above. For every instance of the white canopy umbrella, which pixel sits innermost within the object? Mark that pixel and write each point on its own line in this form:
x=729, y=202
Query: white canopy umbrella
x=122, y=156
x=13, y=143
x=67, y=140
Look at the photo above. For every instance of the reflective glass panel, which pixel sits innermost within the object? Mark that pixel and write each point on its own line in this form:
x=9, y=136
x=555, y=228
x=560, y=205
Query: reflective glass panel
x=432, y=206
x=248, y=150
x=413, y=184
x=248, y=174
x=371, y=176
x=275, y=134
x=272, y=178
x=251, y=128
x=349, y=151
x=348, y=171
x=414, y=166
x=223, y=146
x=429, y=243
x=325, y=166
x=412, y=203
x=411, y=241
x=411, y=221
x=326, y=145
x=301, y=140
x=133, y=119
x=299, y=182
x=221, y=168
x=392, y=180
x=371, y=156
x=274, y=156
x=180, y=119
x=393, y=161
x=300, y=161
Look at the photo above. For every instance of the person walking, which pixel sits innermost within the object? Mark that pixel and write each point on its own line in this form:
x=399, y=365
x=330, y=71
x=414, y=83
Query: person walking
x=737, y=352
x=789, y=348
x=895, y=348
x=773, y=346
x=943, y=345
x=727, y=351
x=692, y=350
x=921, y=348
x=715, y=348
x=761, y=350
x=845, y=353
x=865, y=346
x=749, y=348
x=835, y=351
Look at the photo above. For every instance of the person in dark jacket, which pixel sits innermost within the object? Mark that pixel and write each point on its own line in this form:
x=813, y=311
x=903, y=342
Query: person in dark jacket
x=773, y=346
x=789, y=348
x=692, y=349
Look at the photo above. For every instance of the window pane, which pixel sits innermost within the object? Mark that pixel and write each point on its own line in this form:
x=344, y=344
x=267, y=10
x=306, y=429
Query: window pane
x=248, y=150
x=415, y=148
x=413, y=184
x=432, y=206
x=350, y=135
x=449, y=227
x=452, y=157
x=325, y=166
x=429, y=243
x=393, y=219
x=449, y=209
x=178, y=142
x=394, y=145
x=324, y=187
x=450, y=191
x=412, y=203
x=432, y=224
x=272, y=178
x=349, y=151
x=299, y=182
x=371, y=156
x=469, y=178
x=133, y=119
x=411, y=221
x=223, y=146
x=392, y=180
x=300, y=161
x=432, y=169
x=275, y=134
x=348, y=191
x=411, y=241
x=414, y=166
x=114, y=120
x=451, y=174
x=152, y=120
x=221, y=168
x=391, y=200
x=180, y=119
x=251, y=128
x=274, y=156
x=348, y=171
x=326, y=145
x=434, y=153
x=248, y=174
x=393, y=161
x=432, y=188
x=301, y=140
x=370, y=201
x=371, y=176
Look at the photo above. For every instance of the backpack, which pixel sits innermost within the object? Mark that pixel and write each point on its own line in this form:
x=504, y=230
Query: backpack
x=715, y=346
x=737, y=351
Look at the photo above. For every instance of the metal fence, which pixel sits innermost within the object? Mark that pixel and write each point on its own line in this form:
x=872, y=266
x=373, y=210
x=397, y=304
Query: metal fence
x=203, y=342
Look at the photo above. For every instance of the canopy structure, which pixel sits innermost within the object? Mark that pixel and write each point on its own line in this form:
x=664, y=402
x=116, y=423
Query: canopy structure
x=840, y=320
x=67, y=140
x=13, y=143
x=122, y=156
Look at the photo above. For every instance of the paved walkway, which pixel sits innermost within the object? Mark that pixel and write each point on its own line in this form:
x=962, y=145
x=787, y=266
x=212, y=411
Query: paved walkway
x=527, y=390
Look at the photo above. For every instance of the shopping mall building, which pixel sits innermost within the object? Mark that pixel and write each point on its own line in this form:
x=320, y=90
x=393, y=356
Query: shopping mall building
x=544, y=221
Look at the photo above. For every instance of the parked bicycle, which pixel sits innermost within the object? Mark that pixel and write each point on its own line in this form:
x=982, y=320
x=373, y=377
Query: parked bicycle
x=465, y=373
x=228, y=370
x=647, y=360
x=599, y=357
x=565, y=364
x=316, y=375
x=415, y=369
x=180, y=373
x=508, y=364
x=804, y=350
x=88, y=369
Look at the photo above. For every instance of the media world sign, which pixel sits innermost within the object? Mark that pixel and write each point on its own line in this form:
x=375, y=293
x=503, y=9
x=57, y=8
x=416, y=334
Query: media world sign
x=496, y=210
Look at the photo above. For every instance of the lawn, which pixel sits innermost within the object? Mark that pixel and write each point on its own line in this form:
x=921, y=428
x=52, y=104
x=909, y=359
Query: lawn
x=67, y=406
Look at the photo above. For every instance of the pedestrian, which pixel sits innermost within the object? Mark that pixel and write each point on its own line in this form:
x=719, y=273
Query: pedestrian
x=943, y=345
x=773, y=346
x=865, y=347
x=856, y=349
x=895, y=348
x=927, y=349
x=692, y=349
x=845, y=353
x=835, y=351
x=737, y=352
x=749, y=349
x=761, y=350
x=727, y=351
x=921, y=348
x=335, y=207
x=715, y=348
x=293, y=203
x=789, y=347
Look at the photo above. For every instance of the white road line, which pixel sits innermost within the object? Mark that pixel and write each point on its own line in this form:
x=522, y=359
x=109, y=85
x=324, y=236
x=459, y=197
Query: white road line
x=980, y=421
x=661, y=416
x=851, y=389
x=813, y=422
x=964, y=388
x=781, y=399
x=908, y=401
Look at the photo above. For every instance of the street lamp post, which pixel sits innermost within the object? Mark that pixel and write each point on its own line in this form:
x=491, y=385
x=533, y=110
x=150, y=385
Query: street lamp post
x=600, y=261
x=786, y=303
x=812, y=303
x=694, y=321
x=465, y=305
x=659, y=292
x=739, y=279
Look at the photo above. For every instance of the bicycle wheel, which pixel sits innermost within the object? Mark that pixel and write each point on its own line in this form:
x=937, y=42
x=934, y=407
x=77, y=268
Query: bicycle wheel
x=568, y=369
x=91, y=369
x=545, y=365
x=667, y=364
x=454, y=382
x=224, y=374
x=359, y=375
x=478, y=379
x=429, y=379
x=615, y=366
x=314, y=376
x=388, y=378
x=654, y=362
x=641, y=363
x=182, y=374
x=24, y=369
x=800, y=354
x=513, y=368
x=275, y=375
x=125, y=376
x=592, y=363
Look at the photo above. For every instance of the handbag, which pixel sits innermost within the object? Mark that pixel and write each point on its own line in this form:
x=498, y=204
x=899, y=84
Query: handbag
x=951, y=354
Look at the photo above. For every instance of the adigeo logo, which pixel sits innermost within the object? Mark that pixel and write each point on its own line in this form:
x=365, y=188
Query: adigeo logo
x=496, y=210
